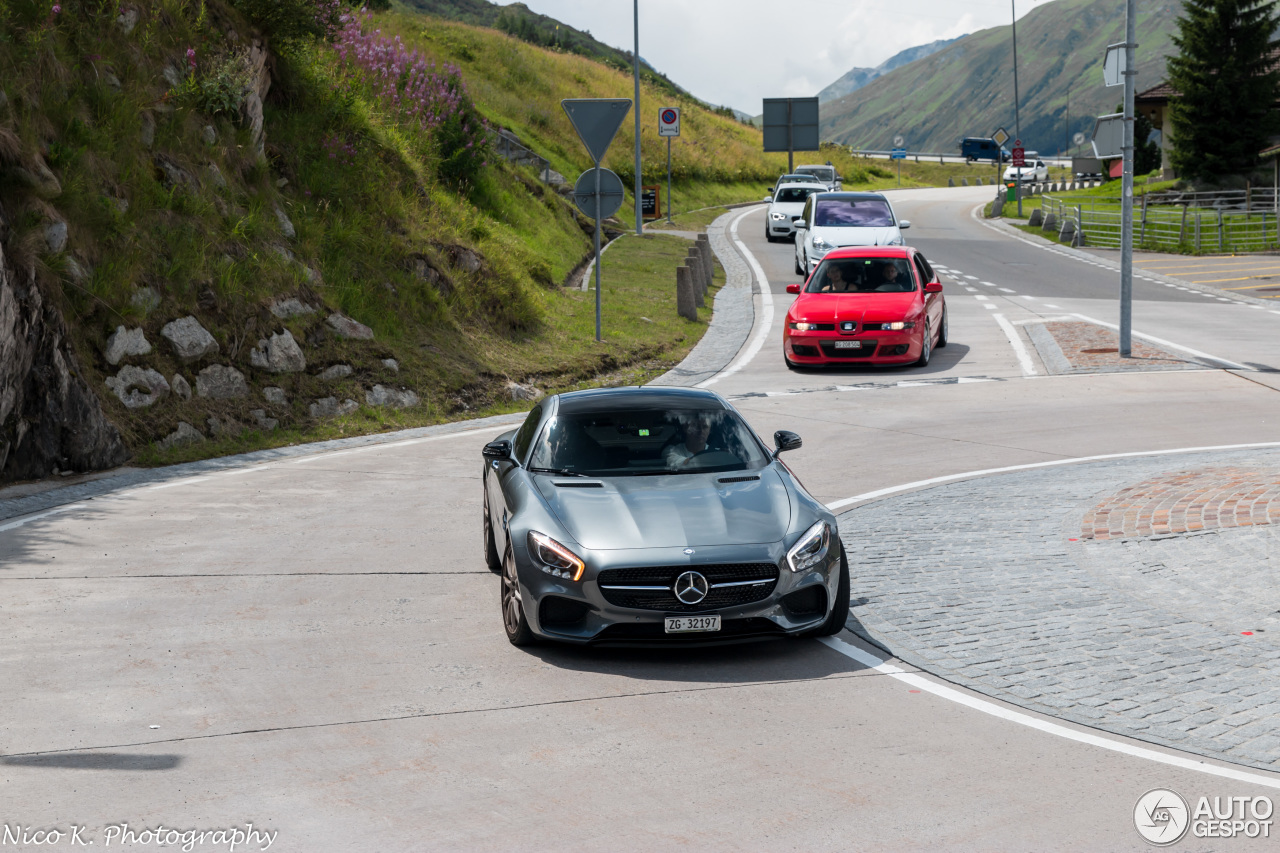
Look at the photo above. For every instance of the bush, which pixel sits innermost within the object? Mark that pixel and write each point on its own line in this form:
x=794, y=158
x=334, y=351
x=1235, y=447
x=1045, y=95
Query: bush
x=220, y=89
x=288, y=23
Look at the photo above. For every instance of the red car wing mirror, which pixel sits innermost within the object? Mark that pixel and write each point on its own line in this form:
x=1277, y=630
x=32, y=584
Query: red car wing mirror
x=933, y=287
x=795, y=288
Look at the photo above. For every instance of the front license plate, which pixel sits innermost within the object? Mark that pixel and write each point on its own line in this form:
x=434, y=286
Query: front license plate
x=848, y=344
x=685, y=624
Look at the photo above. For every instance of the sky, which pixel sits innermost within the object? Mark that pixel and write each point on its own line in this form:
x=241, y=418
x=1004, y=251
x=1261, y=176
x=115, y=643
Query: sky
x=737, y=52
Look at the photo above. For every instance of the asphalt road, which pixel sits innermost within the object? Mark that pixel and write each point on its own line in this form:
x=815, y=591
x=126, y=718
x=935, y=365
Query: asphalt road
x=314, y=645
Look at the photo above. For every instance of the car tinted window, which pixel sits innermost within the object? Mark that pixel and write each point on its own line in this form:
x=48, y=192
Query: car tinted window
x=822, y=173
x=862, y=275
x=647, y=442
x=925, y=268
x=525, y=436
x=920, y=271
x=853, y=213
x=794, y=195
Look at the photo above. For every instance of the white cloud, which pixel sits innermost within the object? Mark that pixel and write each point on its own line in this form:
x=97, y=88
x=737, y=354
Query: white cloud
x=737, y=52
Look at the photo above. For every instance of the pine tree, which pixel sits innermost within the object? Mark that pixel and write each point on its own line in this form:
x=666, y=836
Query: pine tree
x=1224, y=114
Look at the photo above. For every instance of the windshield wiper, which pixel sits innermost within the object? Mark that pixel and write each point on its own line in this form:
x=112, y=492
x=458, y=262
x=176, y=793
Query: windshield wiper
x=562, y=472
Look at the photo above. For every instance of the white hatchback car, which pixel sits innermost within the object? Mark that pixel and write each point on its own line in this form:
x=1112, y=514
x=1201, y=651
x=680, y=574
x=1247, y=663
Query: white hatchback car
x=785, y=207
x=1036, y=170
x=835, y=220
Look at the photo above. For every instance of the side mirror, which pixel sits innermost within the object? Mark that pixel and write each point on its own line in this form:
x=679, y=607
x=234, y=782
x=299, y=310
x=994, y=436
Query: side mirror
x=497, y=450
x=793, y=288
x=933, y=287
x=785, y=439
x=768, y=199
x=904, y=224
x=800, y=224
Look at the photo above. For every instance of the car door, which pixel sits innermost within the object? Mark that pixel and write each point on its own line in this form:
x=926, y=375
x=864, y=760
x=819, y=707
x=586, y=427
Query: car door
x=802, y=236
x=499, y=473
x=932, y=301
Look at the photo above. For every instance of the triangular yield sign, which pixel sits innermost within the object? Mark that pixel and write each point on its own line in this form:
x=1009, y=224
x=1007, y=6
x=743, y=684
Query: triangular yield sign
x=597, y=121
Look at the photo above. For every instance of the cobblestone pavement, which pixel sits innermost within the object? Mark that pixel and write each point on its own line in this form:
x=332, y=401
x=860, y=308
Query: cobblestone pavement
x=1139, y=596
x=1071, y=346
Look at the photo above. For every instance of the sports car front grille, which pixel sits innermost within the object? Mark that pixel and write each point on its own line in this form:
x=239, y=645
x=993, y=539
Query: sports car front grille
x=752, y=582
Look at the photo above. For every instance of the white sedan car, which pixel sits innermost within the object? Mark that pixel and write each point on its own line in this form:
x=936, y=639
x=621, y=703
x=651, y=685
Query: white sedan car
x=785, y=207
x=835, y=220
x=1035, y=171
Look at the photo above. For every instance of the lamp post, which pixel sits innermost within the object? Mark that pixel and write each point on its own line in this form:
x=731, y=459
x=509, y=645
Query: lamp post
x=1126, y=184
x=1017, y=119
x=635, y=60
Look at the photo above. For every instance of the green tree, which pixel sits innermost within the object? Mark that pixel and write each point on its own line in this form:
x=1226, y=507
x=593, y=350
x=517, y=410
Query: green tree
x=1227, y=86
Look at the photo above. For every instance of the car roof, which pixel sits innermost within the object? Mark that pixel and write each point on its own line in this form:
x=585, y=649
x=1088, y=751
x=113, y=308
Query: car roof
x=807, y=178
x=870, y=252
x=803, y=185
x=851, y=196
x=637, y=397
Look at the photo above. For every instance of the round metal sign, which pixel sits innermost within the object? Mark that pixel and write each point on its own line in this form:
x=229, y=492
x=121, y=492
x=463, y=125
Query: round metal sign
x=668, y=116
x=1078, y=139
x=611, y=194
x=898, y=141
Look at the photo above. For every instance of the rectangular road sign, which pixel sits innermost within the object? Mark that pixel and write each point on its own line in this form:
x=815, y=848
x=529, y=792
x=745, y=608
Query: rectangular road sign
x=669, y=121
x=597, y=121
x=898, y=154
x=1019, y=157
x=651, y=202
x=1113, y=65
x=791, y=124
x=1108, y=136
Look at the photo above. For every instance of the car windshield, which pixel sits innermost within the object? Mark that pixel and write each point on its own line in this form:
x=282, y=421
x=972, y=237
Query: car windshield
x=794, y=195
x=862, y=275
x=798, y=179
x=853, y=213
x=821, y=173
x=647, y=442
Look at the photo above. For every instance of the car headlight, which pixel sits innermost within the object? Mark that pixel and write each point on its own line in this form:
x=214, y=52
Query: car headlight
x=896, y=327
x=811, y=549
x=778, y=217
x=822, y=245
x=805, y=327
x=553, y=558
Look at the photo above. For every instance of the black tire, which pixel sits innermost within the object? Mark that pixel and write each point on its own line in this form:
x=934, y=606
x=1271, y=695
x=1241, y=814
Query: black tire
x=767, y=235
x=791, y=365
x=514, y=621
x=839, y=614
x=942, y=333
x=799, y=269
x=926, y=348
x=491, y=557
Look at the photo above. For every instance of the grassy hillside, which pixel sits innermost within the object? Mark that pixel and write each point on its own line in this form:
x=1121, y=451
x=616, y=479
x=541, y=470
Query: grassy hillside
x=142, y=187
x=966, y=89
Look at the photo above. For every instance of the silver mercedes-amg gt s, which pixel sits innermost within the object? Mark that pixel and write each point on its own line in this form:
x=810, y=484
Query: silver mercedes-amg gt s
x=633, y=515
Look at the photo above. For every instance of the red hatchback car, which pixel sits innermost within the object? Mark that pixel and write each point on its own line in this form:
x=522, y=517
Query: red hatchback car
x=871, y=305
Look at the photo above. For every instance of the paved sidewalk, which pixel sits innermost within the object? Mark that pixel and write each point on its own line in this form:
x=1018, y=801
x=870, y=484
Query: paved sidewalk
x=1136, y=595
x=1256, y=275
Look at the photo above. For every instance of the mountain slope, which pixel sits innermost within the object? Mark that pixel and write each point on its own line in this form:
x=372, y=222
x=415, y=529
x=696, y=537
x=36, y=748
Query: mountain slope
x=966, y=89
x=520, y=21
x=856, y=78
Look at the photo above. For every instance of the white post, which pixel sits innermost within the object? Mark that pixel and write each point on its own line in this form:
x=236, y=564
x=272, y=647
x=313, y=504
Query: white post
x=635, y=57
x=1126, y=191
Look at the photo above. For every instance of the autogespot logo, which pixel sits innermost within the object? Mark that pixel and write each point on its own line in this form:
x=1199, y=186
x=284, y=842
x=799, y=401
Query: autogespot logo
x=1161, y=817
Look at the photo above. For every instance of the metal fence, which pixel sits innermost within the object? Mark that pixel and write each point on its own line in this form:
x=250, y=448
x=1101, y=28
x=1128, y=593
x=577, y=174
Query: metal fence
x=1229, y=221
x=512, y=151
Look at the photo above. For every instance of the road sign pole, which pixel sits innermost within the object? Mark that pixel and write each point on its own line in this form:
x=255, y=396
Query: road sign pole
x=1126, y=190
x=635, y=56
x=598, y=207
x=669, y=180
x=1017, y=117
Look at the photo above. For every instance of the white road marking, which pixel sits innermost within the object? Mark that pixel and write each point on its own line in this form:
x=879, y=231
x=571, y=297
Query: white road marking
x=986, y=706
x=1162, y=342
x=766, y=309
x=989, y=305
x=322, y=456
x=1006, y=290
x=948, y=478
x=1019, y=349
x=989, y=283
x=973, y=277
x=1032, y=298
x=1054, y=307
x=981, y=298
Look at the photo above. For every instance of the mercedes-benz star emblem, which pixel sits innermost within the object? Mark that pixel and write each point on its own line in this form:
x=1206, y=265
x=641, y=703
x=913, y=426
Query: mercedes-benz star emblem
x=691, y=588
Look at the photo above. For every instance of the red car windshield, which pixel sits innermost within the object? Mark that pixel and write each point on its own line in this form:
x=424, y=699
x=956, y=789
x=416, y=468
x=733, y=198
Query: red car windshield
x=862, y=275
x=853, y=213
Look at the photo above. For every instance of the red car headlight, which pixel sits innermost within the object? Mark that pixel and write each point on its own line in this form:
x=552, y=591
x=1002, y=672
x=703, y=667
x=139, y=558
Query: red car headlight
x=805, y=327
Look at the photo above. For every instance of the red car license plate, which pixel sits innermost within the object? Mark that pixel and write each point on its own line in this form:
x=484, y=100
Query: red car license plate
x=848, y=344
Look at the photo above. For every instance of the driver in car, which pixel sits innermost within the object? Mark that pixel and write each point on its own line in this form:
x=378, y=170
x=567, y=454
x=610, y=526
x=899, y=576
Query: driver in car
x=696, y=433
x=836, y=282
x=891, y=281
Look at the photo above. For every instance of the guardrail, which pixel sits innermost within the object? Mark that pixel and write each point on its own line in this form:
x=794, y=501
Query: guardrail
x=1056, y=162
x=1237, y=220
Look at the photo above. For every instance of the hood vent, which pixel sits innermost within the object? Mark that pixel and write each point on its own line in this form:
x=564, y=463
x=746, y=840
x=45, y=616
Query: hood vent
x=738, y=479
x=578, y=484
